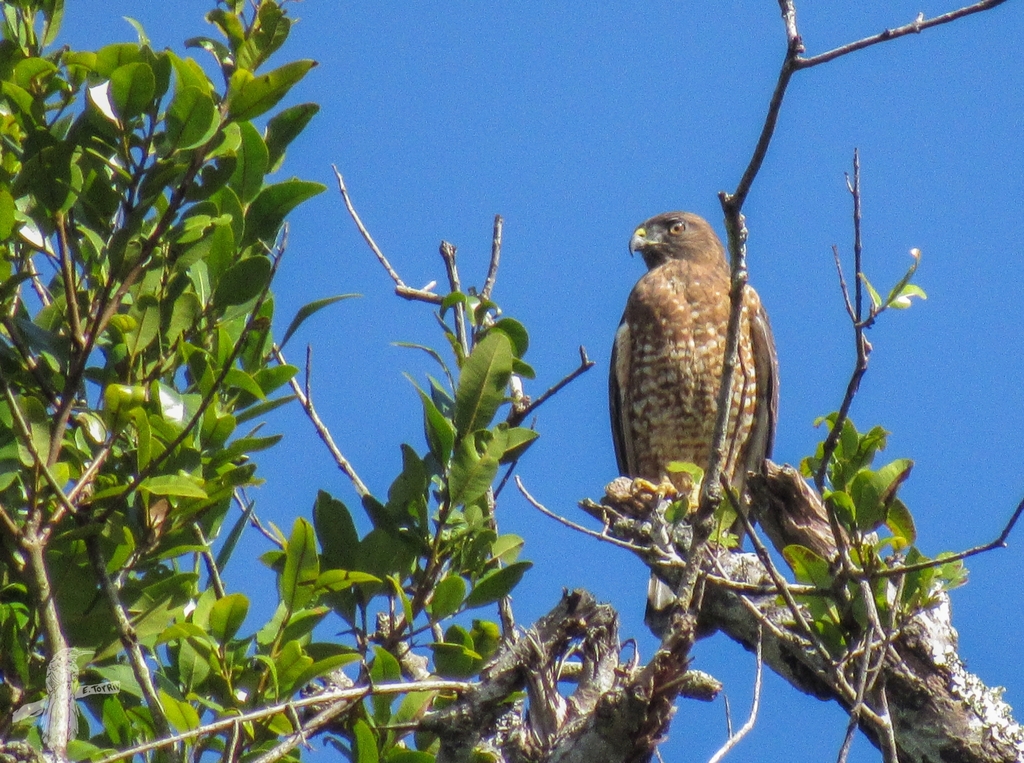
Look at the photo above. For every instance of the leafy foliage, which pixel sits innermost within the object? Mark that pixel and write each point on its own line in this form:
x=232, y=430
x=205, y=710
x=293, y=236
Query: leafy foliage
x=879, y=530
x=139, y=238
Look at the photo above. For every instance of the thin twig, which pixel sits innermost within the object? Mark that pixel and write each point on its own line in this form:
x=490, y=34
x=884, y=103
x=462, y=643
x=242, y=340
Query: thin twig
x=306, y=401
x=25, y=431
x=515, y=418
x=401, y=289
x=570, y=524
x=755, y=705
x=492, y=270
x=889, y=749
x=303, y=730
x=129, y=638
x=448, y=251
x=780, y=583
x=842, y=285
x=209, y=561
x=916, y=26
x=337, y=695
x=999, y=542
x=70, y=288
x=862, y=679
x=863, y=350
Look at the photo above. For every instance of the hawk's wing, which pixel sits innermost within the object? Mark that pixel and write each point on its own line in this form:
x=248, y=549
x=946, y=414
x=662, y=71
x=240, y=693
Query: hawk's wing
x=766, y=369
x=618, y=382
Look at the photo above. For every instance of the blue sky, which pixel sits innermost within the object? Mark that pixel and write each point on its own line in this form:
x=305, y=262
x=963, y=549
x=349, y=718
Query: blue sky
x=576, y=125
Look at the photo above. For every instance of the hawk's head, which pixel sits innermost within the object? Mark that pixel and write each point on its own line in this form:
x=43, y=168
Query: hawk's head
x=676, y=236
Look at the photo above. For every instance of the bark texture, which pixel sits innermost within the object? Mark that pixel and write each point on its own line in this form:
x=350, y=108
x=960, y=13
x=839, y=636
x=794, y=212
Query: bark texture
x=620, y=709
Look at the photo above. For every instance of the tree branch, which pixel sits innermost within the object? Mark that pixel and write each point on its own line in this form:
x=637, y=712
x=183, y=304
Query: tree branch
x=305, y=398
x=916, y=26
x=401, y=289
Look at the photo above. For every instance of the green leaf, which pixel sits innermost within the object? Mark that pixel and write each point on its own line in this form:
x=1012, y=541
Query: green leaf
x=251, y=164
x=311, y=309
x=265, y=36
x=173, y=484
x=872, y=491
x=229, y=24
x=385, y=669
x=132, y=87
x=482, y=383
x=472, y=472
x=900, y=294
x=455, y=660
x=324, y=666
x=516, y=332
x=181, y=715
x=496, y=584
x=439, y=430
x=365, y=743
x=432, y=353
x=291, y=662
x=260, y=94
x=901, y=300
x=507, y=548
x=273, y=377
x=808, y=567
x=227, y=616
x=519, y=439
x=6, y=213
x=53, y=16
x=242, y=282
x=268, y=210
x=111, y=57
x=456, y=656
x=901, y=525
x=447, y=598
x=340, y=580
x=336, y=532
x=301, y=566
x=238, y=379
x=876, y=300
x=285, y=127
x=147, y=313
x=842, y=503
x=191, y=119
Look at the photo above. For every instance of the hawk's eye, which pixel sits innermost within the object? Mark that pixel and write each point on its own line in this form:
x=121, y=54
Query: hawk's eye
x=677, y=228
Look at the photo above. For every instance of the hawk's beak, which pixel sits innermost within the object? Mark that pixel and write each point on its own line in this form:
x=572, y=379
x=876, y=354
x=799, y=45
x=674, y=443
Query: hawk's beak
x=639, y=240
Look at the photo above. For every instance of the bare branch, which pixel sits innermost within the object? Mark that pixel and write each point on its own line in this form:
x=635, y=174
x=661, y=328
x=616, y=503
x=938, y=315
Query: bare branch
x=129, y=638
x=306, y=401
x=863, y=349
x=916, y=26
x=401, y=289
x=517, y=417
x=570, y=524
x=999, y=542
x=448, y=251
x=842, y=285
x=492, y=270
x=755, y=705
x=336, y=695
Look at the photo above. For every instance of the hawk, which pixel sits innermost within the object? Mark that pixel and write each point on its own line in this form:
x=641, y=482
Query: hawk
x=667, y=361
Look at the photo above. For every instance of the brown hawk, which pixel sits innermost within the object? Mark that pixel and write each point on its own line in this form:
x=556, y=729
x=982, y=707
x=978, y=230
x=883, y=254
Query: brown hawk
x=667, y=362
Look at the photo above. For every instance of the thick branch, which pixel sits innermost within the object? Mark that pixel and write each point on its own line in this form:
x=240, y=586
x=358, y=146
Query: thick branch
x=938, y=710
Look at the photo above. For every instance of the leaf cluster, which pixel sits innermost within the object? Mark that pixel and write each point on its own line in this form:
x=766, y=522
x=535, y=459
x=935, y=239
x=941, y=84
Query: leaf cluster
x=139, y=236
x=876, y=541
